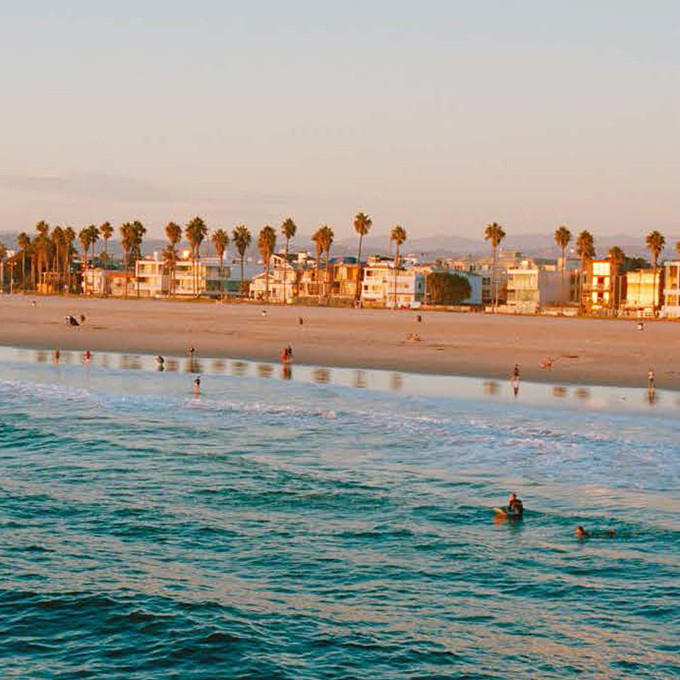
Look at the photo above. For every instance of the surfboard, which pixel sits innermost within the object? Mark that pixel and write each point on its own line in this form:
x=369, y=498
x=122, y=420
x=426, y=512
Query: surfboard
x=503, y=512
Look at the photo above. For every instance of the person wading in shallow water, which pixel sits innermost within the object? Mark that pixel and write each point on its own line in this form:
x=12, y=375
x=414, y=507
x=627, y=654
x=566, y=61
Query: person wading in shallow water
x=197, y=386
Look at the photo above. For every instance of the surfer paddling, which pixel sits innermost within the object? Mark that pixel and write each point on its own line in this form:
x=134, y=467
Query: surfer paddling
x=513, y=510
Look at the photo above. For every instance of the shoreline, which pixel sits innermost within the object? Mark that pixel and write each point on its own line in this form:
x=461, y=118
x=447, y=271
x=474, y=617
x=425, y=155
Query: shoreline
x=73, y=369
x=604, y=352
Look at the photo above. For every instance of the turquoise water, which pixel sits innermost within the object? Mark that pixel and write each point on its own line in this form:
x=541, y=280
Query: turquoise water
x=336, y=525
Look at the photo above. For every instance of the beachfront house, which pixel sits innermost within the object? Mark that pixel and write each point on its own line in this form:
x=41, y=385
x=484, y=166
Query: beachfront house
x=643, y=292
x=283, y=281
x=204, y=277
x=671, y=290
x=604, y=285
x=532, y=286
x=107, y=282
x=385, y=285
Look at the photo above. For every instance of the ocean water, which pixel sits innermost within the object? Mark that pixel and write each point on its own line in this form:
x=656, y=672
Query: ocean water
x=335, y=525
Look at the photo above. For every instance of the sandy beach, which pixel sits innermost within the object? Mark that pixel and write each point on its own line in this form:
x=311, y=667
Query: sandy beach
x=588, y=351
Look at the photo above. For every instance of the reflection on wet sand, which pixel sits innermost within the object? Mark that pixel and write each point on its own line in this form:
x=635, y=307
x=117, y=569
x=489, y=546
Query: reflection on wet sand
x=193, y=366
x=219, y=365
x=265, y=370
x=321, y=376
x=396, y=382
x=491, y=387
x=130, y=362
x=239, y=368
x=414, y=384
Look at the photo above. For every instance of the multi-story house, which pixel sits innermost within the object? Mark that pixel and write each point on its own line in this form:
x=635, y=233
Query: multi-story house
x=204, y=277
x=644, y=292
x=604, y=286
x=671, y=290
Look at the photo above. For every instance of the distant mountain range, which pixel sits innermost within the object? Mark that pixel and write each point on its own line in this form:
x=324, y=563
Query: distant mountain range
x=437, y=245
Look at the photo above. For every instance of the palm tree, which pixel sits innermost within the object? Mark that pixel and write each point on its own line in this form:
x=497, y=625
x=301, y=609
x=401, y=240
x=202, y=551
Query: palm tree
x=106, y=230
x=617, y=258
x=242, y=239
x=398, y=235
x=562, y=239
x=326, y=237
x=85, y=238
x=655, y=243
x=174, y=233
x=266, y=242
x=127, y=239
x=138, y=231
x=69, y=250
x=362, y=225
x=495, y=234
x=220, y=240
x=318, y=239
x=169, y=254
x=94, y=237
x=58, y=245
x=288, y=229
x=677, y=248
x=24, y=243
x=585, y=249
x=196, y=231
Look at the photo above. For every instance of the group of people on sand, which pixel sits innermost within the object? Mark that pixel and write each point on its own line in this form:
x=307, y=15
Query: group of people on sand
x=515, y=510
x=71, y=320
x=287, y=354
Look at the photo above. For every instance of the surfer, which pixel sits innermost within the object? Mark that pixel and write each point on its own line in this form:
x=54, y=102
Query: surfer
x=515, y=506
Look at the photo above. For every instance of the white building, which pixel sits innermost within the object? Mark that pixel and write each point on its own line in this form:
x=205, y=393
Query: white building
x=188, y=278
x=390, y=286
x=671, y=290
x=283, y=279
x=531, y=288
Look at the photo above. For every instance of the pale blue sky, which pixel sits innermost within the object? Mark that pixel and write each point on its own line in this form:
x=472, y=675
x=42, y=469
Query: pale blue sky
x=440, y=115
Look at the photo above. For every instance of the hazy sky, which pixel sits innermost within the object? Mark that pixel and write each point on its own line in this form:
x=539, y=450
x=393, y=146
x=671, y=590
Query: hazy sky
x=440, y=115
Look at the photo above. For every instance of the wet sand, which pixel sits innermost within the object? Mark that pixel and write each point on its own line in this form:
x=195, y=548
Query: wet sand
x=585, y=351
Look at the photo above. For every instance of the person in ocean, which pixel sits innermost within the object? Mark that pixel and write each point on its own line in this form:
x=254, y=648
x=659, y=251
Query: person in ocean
x=197, y=386
x=582, y=533
x=515, y=506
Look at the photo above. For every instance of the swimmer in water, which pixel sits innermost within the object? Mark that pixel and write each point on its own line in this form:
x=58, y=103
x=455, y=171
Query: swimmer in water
x=606, y=533
x=197, y=386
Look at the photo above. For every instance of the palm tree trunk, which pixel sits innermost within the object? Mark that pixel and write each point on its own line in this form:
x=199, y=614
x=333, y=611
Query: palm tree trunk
x=266, y=279
x=241, y=284
x=494, y=281
x=563, y=278
x=358, y=290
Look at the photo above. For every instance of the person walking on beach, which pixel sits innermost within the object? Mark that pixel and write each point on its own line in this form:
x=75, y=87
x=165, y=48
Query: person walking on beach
x=650, y=379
